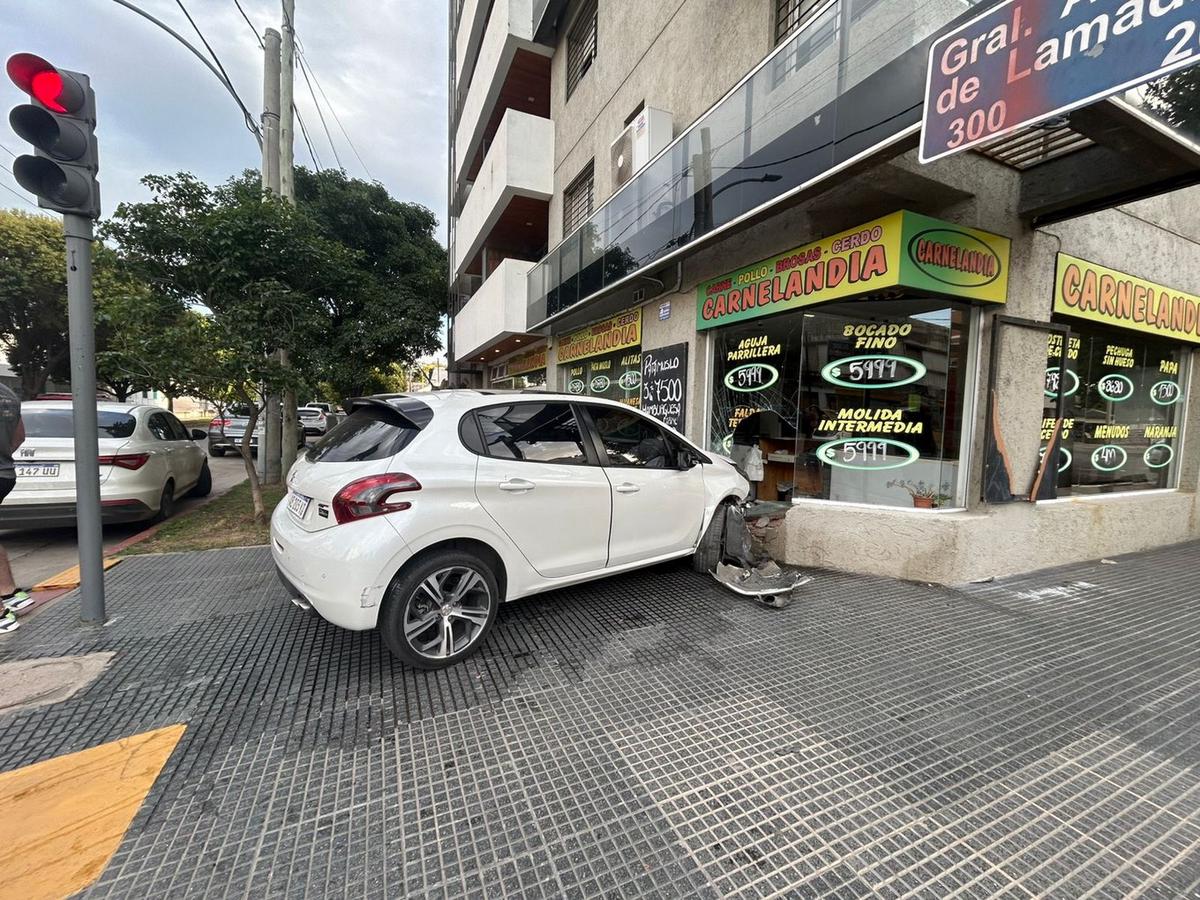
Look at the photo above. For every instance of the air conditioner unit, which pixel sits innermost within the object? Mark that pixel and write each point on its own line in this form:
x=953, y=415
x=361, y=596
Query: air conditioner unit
x=642, y=138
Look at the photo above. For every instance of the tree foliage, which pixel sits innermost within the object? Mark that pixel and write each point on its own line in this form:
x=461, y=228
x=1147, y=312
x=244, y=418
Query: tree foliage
x=230, y=276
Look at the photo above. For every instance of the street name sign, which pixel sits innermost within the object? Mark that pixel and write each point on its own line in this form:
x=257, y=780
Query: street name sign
x=1024, y=61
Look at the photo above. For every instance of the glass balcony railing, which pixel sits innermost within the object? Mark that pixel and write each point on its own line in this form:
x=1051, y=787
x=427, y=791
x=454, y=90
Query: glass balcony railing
x=850, y=77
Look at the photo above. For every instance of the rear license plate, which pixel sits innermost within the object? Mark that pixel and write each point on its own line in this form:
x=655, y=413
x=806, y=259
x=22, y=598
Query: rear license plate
x=43, y=470
x=298, y=504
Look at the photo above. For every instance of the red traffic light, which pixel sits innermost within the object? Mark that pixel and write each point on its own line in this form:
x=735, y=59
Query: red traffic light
x=35, y=76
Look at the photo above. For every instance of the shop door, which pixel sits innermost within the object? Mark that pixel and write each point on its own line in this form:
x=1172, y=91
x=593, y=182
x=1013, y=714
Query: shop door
x=657, y=509
x=542, y=487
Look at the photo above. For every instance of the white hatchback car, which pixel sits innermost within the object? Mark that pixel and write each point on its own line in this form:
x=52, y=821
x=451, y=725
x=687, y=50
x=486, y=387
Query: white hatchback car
x=147, y=460
x=419, y=514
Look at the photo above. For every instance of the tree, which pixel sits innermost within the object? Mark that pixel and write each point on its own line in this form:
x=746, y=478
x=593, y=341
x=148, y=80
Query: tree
x=33, y=299
x=231, y=275
x=1176, y=97
x=396, y=314
x=33, y=302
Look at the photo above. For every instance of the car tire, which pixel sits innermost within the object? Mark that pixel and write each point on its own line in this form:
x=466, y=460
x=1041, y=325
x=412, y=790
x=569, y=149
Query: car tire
x=216, y=451
x=708, y=551
x=166, y=503
x=203, y=485
x=410, y=602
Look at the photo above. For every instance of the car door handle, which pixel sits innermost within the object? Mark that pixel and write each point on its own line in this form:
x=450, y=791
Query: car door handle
x=517, y=485
x=627, y=488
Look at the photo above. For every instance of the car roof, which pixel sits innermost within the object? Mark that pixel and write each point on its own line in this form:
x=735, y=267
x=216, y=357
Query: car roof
x=471, y=398
x=102, y=406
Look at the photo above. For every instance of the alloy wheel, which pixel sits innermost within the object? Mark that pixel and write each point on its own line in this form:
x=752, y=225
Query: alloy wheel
x=447, y=612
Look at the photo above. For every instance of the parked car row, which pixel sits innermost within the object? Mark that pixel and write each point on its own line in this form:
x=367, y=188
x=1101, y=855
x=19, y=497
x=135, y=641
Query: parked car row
x=419, y=514
x=225, y=432
x=148, y=460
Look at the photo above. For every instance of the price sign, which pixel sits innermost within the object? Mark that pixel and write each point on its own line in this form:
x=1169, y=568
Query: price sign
x=664, y=384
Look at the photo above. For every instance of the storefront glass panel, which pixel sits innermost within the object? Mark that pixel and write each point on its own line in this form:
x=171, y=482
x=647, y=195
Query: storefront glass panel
x=857, y=402
x=614, y=376
x=1123, y=393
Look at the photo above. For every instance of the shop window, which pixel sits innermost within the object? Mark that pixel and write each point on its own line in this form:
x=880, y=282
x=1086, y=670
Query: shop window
x=614, y=376
x=534, y=432
x=858, y=402
x=631, y=440
x=581, y=45
x=579, y=198
x=1123, y=394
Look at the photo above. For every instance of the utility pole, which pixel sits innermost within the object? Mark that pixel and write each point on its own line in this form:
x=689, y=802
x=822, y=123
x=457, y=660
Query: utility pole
x=268, y=451
x=287, y=189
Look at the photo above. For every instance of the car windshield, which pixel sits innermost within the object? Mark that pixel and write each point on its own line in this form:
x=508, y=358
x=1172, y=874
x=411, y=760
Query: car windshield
x=57, y=423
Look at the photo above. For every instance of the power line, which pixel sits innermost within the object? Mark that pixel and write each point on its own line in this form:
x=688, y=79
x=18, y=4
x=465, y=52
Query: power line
x=6, y=150
x=203, y=40
x=320, y=115
x=257, y=37
x=20, y=197
x=332, y=109
x=251, y=123
x=295, y=108
x=304, y=131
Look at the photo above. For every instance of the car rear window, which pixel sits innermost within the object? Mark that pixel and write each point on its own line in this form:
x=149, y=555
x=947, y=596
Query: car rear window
x=370, y=432
x=309, y=413
x=57, y=423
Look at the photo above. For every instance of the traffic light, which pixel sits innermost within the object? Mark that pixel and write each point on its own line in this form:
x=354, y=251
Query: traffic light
x=60, y=122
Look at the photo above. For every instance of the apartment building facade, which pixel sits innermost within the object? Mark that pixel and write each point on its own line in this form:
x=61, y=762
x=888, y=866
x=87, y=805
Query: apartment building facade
x=714, y=209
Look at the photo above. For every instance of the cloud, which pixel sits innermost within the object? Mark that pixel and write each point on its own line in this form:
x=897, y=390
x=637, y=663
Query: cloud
x=381, y=64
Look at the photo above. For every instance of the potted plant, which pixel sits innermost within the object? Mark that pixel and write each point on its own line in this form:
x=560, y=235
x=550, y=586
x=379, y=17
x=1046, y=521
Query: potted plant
x=924, y=496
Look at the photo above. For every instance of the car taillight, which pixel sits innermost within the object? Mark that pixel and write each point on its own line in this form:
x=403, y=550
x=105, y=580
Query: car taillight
x=371, y=496
x=218, y=423
x=126, y=460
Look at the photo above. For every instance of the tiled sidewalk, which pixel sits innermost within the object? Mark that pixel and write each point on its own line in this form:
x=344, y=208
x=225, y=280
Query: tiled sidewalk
x=653, y=736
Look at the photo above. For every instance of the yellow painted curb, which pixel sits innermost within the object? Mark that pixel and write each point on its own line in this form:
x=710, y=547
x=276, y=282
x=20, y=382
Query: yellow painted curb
x=70, y=813
x=69, y=578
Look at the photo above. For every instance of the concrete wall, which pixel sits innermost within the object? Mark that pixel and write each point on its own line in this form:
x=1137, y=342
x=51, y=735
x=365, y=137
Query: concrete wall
x=497, y=309
x=677, y=55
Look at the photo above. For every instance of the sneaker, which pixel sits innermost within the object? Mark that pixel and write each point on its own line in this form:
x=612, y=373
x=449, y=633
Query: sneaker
x=17, y=601
x=8, y=623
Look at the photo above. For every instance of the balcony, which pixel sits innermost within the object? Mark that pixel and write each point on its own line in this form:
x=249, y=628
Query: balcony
x=508, y=206
x=511, y=72
x=473, y=16
x=847, y=82
x=494, y=314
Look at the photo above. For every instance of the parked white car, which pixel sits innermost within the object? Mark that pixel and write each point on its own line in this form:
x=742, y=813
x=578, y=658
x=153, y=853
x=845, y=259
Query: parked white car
x=420, y=514
x=147, y=461
x=313, y=419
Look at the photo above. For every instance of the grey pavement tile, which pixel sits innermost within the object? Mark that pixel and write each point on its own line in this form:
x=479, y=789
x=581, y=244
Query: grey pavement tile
x=652, y=736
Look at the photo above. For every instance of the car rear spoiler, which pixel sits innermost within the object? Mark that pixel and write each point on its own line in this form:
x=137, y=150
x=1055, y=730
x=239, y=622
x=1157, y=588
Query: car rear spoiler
x=412, y=412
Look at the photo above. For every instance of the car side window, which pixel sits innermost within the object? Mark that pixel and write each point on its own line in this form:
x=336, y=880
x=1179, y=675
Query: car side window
x=533, y=432
x=159, y=427
x=631, y=440
x=178, y=432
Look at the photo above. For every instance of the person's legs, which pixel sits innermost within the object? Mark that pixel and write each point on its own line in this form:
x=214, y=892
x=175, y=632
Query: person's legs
x=12, y=599
x=7, y=585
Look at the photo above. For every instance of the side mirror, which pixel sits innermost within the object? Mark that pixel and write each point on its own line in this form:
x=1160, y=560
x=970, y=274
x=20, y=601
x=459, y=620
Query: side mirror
x=685, y=459
x=199, y=434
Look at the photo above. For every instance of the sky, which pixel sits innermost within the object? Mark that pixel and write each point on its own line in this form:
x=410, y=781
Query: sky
x=381, y=63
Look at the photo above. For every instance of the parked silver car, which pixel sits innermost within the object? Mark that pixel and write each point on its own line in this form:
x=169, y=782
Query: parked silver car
x=225, y=432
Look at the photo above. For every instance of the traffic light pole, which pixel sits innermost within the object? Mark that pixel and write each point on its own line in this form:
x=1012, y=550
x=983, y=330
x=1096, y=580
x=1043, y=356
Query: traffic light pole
x=82, y=332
